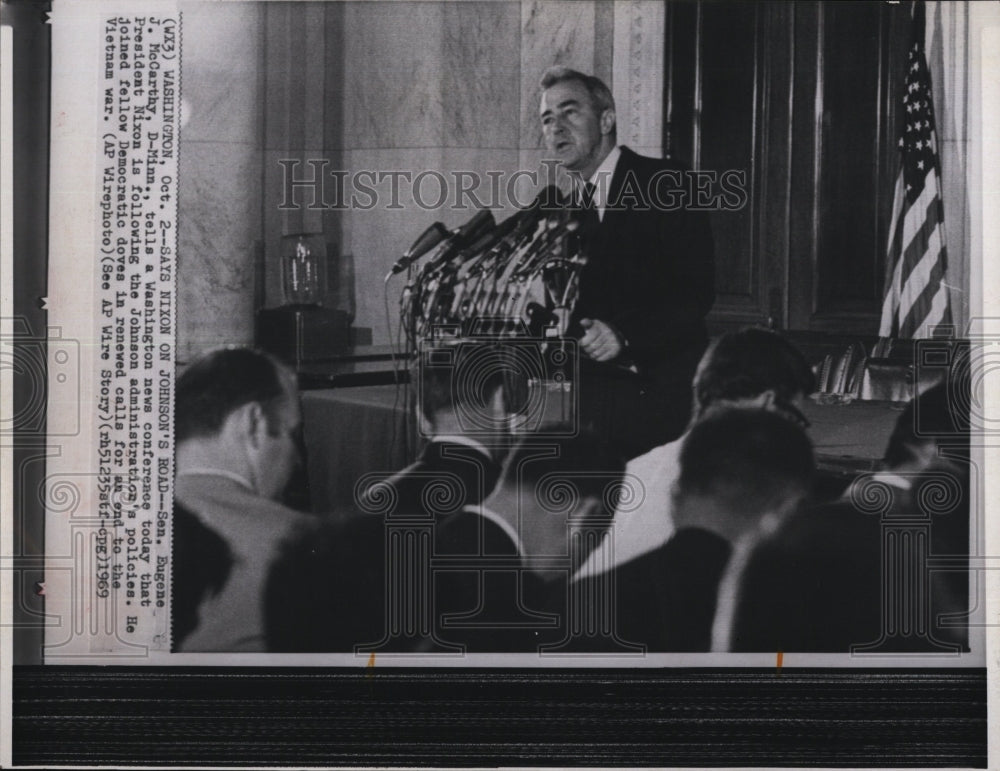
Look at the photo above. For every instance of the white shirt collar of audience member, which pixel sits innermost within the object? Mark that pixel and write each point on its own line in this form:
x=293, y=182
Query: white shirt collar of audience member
x=462, y=439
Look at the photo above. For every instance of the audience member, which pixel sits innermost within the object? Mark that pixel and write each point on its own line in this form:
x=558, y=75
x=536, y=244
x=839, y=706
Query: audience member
x=465, y=418
x=550, y=506
x=237, y=414
x=828, y=580
x=326, y=589
x=752, y=368
x=741, y=472
x=358, y=561
x=494, y=580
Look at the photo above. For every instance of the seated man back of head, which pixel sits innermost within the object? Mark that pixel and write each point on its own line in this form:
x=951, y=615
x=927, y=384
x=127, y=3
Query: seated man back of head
x=237, y=417
x=753, y=368
x=465, y=420
x=742, y=471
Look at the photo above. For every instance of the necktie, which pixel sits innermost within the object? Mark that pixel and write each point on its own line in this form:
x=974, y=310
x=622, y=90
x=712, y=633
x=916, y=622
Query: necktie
x=588, y=212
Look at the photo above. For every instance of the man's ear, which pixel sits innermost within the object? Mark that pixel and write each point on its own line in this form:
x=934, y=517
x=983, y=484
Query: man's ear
x=608, y=120
x=238, y=423
x=256, y=423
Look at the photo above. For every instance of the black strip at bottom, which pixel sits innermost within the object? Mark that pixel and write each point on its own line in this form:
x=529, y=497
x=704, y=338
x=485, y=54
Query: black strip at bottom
x=112, y=716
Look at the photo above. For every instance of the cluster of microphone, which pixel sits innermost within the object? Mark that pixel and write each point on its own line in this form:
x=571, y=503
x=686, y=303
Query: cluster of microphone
x=521, y=273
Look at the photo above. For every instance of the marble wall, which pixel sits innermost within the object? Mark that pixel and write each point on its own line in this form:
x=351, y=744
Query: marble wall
x=219, y=177
x=947, y=49
x=303, y=108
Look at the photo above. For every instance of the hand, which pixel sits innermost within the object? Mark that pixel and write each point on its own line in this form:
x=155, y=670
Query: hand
x=600, y=342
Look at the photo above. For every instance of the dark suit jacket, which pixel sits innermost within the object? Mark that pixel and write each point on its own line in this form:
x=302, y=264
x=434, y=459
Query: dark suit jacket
x=326, y=591
x=444, y=478
x=347, y=560
x=489, y=604
x=202, y=563
x=650, y=275
x=819, y=585
x=665, y=599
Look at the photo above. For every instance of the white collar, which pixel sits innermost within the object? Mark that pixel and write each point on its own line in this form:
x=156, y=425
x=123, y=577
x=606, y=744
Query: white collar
x=502, y=523
x=886, y=478
x=207, y=471
x=466, y=440
x=601, y=179
x=893, y=480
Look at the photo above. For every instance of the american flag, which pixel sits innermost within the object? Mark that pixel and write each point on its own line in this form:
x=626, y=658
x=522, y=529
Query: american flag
x=916, y=297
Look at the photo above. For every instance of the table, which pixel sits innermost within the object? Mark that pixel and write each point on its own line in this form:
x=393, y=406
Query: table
x=851, y=437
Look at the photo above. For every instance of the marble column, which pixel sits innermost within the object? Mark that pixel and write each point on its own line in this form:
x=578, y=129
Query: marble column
x=947, y=47
x=219, y=198
x=638, y=74
x=303, y=106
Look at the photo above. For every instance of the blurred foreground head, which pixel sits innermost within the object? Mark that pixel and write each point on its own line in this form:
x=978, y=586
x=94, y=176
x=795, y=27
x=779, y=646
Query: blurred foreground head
x=741, y=470
x=462, y=390
x=752, y=368
x=237, y=410
x=930, y=432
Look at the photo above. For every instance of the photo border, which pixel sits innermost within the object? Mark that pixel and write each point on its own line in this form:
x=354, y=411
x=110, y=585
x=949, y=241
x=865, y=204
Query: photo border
x=85, y=715
x=447, y=718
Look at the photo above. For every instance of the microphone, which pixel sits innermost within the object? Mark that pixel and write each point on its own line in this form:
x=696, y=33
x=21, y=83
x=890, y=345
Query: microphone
x=462, y=237
x=475, y=227
x=430, y=238
x=539, y=317
x=490, y=238
x=548, y=200
x=437, y=233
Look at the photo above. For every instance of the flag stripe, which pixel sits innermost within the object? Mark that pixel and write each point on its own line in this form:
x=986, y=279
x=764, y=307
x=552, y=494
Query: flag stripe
x=920, y=314
x=922, y=240
x=922, y=276
x=895, y=229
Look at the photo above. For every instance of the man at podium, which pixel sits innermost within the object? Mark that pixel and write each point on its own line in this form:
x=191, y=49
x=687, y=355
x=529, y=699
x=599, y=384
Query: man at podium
x=649, y=280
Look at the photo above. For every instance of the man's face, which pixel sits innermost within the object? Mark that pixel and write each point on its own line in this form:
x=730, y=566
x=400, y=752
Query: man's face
x=575, y=133
x=279, y=449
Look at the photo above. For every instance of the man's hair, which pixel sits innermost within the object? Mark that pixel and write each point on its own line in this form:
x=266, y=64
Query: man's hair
x=600, y=94
x=462, y=376
x=560, y=471
x=745, y=364
x=748, y=461
x=931, y=418
x=225, y=379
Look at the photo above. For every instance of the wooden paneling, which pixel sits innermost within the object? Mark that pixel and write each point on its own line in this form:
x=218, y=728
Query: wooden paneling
x=801, y=97
x=849, y=182
x=730, y=86
x=720, y=78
